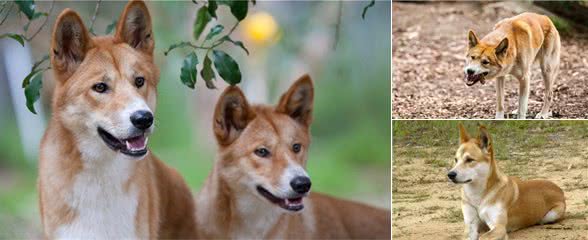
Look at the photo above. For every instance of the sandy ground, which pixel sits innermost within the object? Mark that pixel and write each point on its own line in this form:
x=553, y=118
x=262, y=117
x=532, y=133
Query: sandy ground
x=429, y=45
x=426, y=206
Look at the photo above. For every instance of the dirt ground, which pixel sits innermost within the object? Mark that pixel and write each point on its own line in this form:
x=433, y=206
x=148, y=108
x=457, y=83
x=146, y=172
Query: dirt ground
x=429, y=45
x=426, y=206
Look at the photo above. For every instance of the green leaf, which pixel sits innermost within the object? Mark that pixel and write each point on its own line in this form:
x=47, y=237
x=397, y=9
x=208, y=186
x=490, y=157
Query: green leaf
x=227, y=67
x=202, y=19
x=33, y=91
x=188, y=72
x=214, y=31
x=27, y=80
x=239, y=9
x=212, y=6
x=110, y=27
x=176, y=45
x=371, y=4
x=207, y=73
x=19, y=38
x=237, y=43
x=27, y=7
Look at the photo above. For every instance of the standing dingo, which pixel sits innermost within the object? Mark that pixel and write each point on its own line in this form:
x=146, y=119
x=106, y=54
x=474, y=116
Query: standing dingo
x=512, y=48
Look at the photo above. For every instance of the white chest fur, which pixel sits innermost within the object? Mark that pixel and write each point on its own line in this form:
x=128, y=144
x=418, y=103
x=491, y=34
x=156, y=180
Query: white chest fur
x=105, y=206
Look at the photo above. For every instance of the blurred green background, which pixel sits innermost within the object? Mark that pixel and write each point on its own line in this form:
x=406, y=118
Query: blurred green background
x=350, y=153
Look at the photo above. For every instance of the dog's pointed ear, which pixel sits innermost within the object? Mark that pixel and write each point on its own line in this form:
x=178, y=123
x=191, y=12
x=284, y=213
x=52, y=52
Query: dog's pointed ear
x=134, y=27
x=231, y=115
x=502, y=47
x=70, y=42
x=297, y=102
x=463, y=134
x=472, y=39
x=484, y=139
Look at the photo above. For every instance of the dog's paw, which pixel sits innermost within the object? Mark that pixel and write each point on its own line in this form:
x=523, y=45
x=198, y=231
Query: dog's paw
x=543, y=115
x=499, y=115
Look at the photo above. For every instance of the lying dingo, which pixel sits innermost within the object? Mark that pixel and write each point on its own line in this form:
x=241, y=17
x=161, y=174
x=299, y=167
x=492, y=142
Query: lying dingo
x=495, y=202
x=259, y=187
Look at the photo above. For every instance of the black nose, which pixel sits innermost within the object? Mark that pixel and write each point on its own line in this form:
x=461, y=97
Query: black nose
x=451, y=175
x=142, y=119
x=300, y=184
x=470, y=71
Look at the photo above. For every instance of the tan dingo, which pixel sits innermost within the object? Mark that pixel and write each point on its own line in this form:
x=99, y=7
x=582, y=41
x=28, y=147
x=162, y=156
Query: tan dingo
x=259, y=187
x=512, y=48
x=97, y=178
x=495, y=202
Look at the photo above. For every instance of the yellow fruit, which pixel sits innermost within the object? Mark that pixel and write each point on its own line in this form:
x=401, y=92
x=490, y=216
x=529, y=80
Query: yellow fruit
x=260, y=27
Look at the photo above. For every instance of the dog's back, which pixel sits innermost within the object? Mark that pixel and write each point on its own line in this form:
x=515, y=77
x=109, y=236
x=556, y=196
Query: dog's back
x=533, y=202
x=356, y=220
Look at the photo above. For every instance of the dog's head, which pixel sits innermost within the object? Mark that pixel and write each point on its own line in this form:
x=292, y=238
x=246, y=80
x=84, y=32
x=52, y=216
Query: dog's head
x=473, y=158
x=484, y=61
x=106, y=86
x=263, y=150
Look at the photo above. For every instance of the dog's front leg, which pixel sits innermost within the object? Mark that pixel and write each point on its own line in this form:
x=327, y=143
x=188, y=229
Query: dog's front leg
x=499, y=97
x=524, y=85
x=471, y=220
x=496, y=219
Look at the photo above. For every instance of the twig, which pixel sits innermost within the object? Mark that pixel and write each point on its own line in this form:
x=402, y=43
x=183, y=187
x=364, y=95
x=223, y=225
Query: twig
x=7, y=13
x=44, y=22
x=94, y=17
x=3, y=6
x=338, y=24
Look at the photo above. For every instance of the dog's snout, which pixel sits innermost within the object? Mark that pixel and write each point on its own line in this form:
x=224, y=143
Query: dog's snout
x=300, y=184
x=142, y=119
x=451, y=175
x=470, y=71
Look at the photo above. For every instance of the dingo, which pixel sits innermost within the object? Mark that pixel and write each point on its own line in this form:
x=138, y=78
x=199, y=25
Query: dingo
x=512, y=48
x=495, y=202
x=259, y=179
x=96, y=177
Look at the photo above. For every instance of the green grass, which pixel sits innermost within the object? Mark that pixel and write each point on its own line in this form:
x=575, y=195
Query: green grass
x=442, y=137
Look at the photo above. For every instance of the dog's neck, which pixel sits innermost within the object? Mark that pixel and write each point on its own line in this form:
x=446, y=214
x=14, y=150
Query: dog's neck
x=477, y=191
x=222, y=211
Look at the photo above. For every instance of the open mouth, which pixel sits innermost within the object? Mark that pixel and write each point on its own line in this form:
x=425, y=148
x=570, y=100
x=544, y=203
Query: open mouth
x=290, y=204
x=458, y=182
x=135, y=146
x=472, y=79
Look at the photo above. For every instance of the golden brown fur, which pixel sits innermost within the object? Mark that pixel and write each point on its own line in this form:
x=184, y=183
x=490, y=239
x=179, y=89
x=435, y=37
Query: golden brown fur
x=71, y=152
x=511, y=48
x=493, y=203
x=228, y=206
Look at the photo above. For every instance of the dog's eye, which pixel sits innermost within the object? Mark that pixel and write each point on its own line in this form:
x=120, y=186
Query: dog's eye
x=472, y=57
x=296, y=147
x=262, y=152
x=485, y=61
x=100, y=87
x=469, y=160
x=139, y=81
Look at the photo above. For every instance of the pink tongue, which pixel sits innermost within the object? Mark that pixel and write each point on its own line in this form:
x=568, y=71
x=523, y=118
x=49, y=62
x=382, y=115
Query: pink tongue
x=137, y=143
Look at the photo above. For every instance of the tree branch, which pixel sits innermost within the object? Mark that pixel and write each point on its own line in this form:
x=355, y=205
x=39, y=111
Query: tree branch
x=44, y=22
x=338, y=24
x=7, y=13
x=93, y=19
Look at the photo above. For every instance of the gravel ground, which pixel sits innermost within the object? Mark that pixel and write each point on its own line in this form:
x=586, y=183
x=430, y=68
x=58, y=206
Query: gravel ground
x=429, y=45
